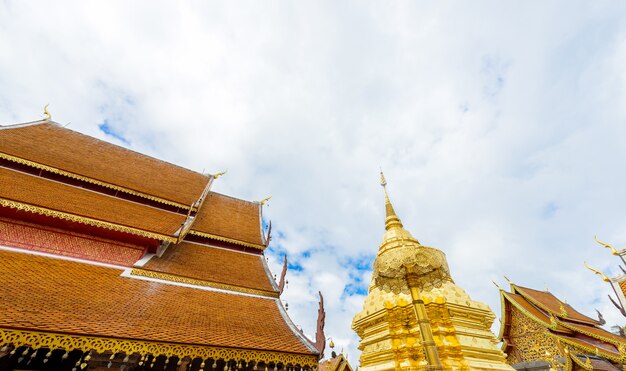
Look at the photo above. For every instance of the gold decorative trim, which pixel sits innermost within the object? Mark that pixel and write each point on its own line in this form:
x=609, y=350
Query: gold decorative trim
x=90, y=180
x=83, y=220
x=196, y=282
x=530, y=315
x=591, y=350
x=584, y=365
x=68, y=342
x=502, y=319
x=226, y=239
x=591, y=334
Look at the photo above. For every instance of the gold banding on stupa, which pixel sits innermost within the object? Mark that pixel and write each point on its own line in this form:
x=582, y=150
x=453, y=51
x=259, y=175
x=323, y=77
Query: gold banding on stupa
x=415, y=317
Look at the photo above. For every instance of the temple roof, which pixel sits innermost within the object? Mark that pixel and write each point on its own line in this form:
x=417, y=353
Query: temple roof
x=213, y=264
x=59, y=296
x=337, y=363
x=49, y=144
x=72, y=162
x=91, y=207
x=230, y=218
x=537, y=314
x=561, y=321
x=548, y=302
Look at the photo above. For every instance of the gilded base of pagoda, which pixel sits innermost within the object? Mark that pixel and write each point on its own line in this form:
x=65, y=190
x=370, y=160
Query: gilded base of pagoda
x=390, y=338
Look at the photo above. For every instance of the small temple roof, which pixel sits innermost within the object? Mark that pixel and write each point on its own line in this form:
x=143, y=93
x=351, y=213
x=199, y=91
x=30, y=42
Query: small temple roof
x=337, y=363
x=48, y=144
x=97, y=301
x=561, y=321
x=231, y=219
x=213, y=264
x=84, y=205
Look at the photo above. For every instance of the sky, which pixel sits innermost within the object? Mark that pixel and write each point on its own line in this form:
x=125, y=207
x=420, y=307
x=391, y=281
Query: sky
x=500, y=126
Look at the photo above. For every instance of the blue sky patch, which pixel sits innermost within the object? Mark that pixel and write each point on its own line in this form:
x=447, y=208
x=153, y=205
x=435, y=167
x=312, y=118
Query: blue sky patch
x=107, y=129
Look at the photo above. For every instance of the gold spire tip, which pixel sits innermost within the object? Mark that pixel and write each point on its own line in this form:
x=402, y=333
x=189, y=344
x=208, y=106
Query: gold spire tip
x=383, y=181
x=46, y=114
x=263, y=201
x=508, y=280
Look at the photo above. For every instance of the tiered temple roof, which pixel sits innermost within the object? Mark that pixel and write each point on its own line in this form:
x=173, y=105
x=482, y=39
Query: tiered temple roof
x=538, y=327
x=107, y=251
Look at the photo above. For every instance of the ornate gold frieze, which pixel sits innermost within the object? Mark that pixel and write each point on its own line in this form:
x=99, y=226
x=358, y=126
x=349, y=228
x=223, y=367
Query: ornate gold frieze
x=196, y=282
x=68, y=174
x=530, y=339
x=582, y=330
x=591, y=350
x=226, y=239
x=68, y=342
x=83, y=220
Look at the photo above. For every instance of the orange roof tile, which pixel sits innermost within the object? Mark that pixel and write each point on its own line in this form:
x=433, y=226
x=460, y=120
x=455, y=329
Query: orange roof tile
x=551, y=303
x=229, y=217
x=53, y=295
x=69, y=199
x=52, y=145
x=213, y=264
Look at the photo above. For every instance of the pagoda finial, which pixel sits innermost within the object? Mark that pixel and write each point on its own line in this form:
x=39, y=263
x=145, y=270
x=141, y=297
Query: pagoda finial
x=46, y=114
x=391, y=219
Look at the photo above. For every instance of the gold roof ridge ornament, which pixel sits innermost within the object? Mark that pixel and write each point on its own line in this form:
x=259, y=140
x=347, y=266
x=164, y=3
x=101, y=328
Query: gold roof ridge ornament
x=46, y=114
x=391, y=218
x=613, y=251
x=498, y=286
x=596, y=271
x=264, y=201
x=215, y=176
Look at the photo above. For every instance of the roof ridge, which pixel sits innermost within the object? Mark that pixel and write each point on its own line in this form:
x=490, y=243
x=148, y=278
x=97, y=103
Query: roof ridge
x=26, y=124
x=126, y=148
x=551, y=311
x=299, y=334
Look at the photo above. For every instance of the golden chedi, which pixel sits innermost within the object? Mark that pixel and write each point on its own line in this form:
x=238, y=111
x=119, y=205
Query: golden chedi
x=415, y=317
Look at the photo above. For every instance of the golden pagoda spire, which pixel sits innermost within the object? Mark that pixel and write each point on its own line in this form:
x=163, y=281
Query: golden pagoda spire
x=391, y=218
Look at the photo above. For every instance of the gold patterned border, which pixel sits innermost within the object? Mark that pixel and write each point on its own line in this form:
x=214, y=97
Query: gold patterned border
x=196, y=282
x=68, y=342
x=226, y=239
x=552, y=326
x=591, y=350
x=83, y=220
x=613, y=341
x=90, y=180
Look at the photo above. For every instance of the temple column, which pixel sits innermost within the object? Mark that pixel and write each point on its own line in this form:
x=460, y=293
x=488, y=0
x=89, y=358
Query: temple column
x=426, y=333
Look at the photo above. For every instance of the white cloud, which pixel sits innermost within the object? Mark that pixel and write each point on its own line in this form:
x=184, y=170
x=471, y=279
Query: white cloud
x=500, y=126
